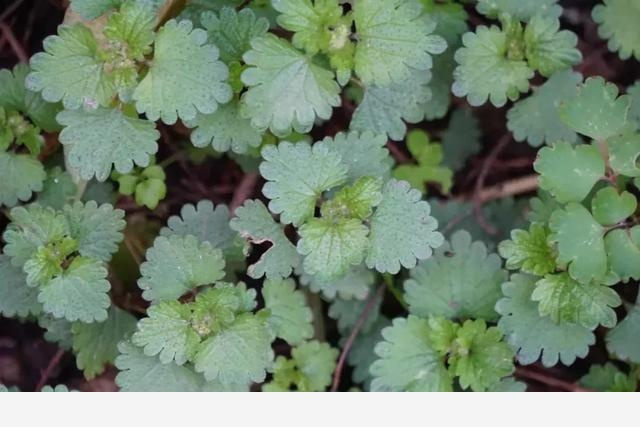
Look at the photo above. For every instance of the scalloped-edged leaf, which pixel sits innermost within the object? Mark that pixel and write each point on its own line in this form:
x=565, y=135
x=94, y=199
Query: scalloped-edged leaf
x=57, y=331
x=364, y=154
x=100, y=139
x=316, y=362
x=406, y=359
x=296, y=175
x=70, y=71
x=402, y=231
x=549, y=49
x=96, y=344
x=16, y=298
x=290, y=316
x=91, y=9
x=177, y=264
x=624, y=152
x=80, y=293
x=568, y=172
x=618, y=23
x=254, y=223
x=393, y=38
x=485, y=72
x=167, y=332
x=610, y=207
x=623, y=253
x=536, y=118
x=233, y=31
x=97, y=229
x=596, y=111
x=427, y=167
x=286, y=90
x=461, y=139
x=580, y=242
x=22, y=175
x=623, y=339
x=520, y=9
x=384, y=109
x=461, y=280
x=356, y=283
x=239, y=354
x=534, y=336
x=185, y=76
x=608, y=377
x=529, y=251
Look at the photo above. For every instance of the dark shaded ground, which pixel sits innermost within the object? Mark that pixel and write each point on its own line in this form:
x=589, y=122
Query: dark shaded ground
x=24, y=355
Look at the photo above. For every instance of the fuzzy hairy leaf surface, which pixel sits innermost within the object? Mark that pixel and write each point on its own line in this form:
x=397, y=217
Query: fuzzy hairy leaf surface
x=484, y=71
x=16, y=298
x=461, y=280
x=286, y=90
x=355, y=283
x=549, y=49
x=617, y=21
x=296, y=175
x=406, y=360
x=91, y=9
x=569, y=173
x=22, y=175
x=529, y=251
x=177, y=264
x=520, y=9
x=186, y=76
x=622, y=340
x=393, y=38
x=536, y=118
x=534, y=336
x=100, y=139
x=290, y=318
x=254, y=223
x=402, y=231
x=96, y=344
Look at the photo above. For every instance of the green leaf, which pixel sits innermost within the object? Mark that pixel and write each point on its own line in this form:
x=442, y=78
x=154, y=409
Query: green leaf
x=383, y=108
x=132, y=30
x=529, y=251
x=461, y=280
x=461, y=139
x=58, y=189
x=354, y=201
x=520, y=9
x=98, y=229
x=608, y=377
x=596, y=111
x=634, y=92
x=21, y=177
x=480, y=358
x=617, y=21
x=167, y=332
x=534, y=336
x=177, y=264
x=580, y=242
x=291, y=318
x=568, y=301
x=623, y=253
x=624, y=152
x=225, y=130
x=569, y=173
x=70, y=71
x=296, y=175
x=91, y=9
x=402, y=231
x=347, y=314
x=248, y=340
x=437, y=106
x=485, y=70
x=536, y=118
x=96, y=344
x=233, y=31
x=547, y=49
x=16, y=298
x=356, y=283
x=57, y=331
x=332, y=246
x=185, y=77
x=609, y=207
x=98, y=139
x=254, y=223
x=80, y=293
x=393, y=38
x=622, y=340
x=406, y=360
x=286, y=90
x=362, y=355
x=364, y=154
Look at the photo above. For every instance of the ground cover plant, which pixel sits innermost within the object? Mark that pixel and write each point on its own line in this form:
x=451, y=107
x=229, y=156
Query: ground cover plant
x=320, y=195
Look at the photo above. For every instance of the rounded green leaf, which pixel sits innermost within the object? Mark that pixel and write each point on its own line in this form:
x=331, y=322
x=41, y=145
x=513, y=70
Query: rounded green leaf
x=609, y=207
x=618, y=23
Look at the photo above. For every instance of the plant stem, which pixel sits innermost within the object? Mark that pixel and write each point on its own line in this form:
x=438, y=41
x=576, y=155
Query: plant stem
x=388, y=280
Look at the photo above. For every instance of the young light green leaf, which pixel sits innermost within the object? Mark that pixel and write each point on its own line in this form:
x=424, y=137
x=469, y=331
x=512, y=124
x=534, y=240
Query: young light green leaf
x=290, y=317
x=316, y=362
x=461, y=280
x=98, y=139
x=547, y=49
x=185, y=77
x=402, y=231
x=617, y=21
x=354, y=201
x=569, y=173
x=22, y=175
x=393, y=38
x=297, y=174
x=534, y=336
x=529, y=251
x=177, y=264
x=286, y=90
